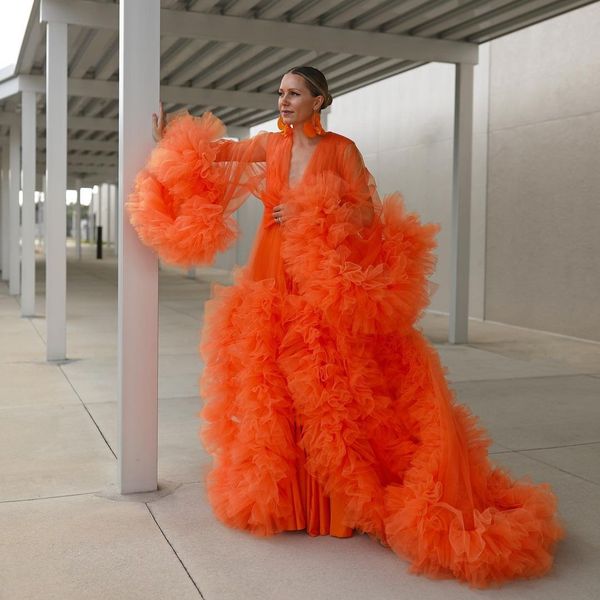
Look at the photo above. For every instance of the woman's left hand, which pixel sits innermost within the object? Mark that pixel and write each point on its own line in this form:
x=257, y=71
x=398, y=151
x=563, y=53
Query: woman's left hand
x=279, y=213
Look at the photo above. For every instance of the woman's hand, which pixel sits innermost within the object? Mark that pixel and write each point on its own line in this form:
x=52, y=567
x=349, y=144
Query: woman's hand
x=159, y=123
x=280, y=213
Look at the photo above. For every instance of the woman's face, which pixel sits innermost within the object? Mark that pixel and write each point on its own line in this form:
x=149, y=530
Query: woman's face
x=296, y=103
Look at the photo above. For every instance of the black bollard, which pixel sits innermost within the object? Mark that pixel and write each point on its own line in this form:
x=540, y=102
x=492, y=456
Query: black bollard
x=99, y=241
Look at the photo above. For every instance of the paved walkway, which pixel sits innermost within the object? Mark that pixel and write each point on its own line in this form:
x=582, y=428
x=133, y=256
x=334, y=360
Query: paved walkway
x=66, y=534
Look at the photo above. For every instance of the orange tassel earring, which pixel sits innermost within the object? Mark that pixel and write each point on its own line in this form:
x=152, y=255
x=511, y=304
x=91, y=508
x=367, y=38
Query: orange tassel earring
x=313, y=126
x=283, y=127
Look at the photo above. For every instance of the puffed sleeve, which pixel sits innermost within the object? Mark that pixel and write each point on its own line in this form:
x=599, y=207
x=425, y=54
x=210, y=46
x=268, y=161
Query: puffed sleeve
x=361, y=186
x=193, y=180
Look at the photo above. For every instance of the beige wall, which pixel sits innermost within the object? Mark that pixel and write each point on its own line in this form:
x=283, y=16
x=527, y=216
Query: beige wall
x=535, y=227
x=543, y=215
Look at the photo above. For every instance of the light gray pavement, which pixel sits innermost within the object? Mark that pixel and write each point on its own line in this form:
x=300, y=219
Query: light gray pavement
x=65, y=532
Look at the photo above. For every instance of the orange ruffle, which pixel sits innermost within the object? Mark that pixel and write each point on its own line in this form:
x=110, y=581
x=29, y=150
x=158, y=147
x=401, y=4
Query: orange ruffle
x=315, y=369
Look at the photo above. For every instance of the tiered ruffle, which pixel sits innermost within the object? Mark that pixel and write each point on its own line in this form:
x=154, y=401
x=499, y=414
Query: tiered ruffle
x=338, y=354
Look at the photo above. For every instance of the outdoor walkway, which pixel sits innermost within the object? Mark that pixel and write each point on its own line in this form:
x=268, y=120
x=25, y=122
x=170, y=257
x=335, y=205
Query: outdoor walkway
x=66, y=534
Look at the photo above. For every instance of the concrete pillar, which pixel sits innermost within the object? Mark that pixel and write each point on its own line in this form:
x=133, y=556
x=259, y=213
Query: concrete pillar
x=28, y=134
x=78, y=220
x=101, y=208
x=109, y=211
x=115, y=212
x=461, y=204
x=4, y=224
x=56, y=182
x=14, y=212
x=139, y=70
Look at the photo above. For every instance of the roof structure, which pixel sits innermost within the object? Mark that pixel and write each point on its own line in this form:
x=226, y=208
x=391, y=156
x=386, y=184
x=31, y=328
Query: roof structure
x=227, y=56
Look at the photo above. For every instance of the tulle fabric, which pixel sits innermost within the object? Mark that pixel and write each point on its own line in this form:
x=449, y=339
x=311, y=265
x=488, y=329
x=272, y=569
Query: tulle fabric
x=325, y=408
x=193, y=181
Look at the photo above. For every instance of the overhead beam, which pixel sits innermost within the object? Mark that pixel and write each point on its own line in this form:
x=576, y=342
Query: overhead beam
x=72, y=144
x=278, y=34
x=95, y=88
x=90, y=161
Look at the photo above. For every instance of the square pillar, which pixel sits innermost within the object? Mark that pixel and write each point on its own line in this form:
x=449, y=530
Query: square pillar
x=28, y=134
x=14, y=212
x=4, y=222
x=78, y=220
x=461, y=204
x=56, y=183
x=139, y=79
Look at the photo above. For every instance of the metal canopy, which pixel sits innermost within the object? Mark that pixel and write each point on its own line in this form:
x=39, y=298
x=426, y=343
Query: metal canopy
x=227, y=56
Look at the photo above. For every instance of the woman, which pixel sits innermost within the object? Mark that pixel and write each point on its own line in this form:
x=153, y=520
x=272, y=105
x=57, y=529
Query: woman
x=325, y=408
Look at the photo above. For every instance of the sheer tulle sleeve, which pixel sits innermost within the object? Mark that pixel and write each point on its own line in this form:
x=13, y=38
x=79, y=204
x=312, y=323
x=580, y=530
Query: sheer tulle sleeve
x=193, y=180
x=361, y=185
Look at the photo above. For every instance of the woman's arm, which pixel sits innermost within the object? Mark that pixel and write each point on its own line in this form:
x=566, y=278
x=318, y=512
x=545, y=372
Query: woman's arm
x=362, y=188
x=192, y=181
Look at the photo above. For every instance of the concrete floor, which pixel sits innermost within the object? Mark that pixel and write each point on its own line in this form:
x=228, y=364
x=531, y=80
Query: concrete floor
x=67, y=534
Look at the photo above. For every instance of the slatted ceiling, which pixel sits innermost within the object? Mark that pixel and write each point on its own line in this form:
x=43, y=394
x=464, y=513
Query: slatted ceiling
x=202, y=5
x=237, y=66
x=402, y=20
x=208, y=59
x=517, y=23
x=186, y=51
x=343, y=14
x=365, y=71
x=447, y=20
x=256, y=64
x=264, y=81
x=94, y=44
x=250, y=63
x=276, y=10
x=456, y=24
x=232, y=113
x=249, y=121
x=241, y=8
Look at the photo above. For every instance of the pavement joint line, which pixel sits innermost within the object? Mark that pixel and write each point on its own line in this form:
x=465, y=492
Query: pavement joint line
x=47, y=497
x=174, y=551
x=558, y=468
x=524, y=377
x=87, y=411
x=557, y=447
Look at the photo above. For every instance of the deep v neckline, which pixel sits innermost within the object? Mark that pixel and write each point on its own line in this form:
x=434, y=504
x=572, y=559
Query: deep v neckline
x=308, y=164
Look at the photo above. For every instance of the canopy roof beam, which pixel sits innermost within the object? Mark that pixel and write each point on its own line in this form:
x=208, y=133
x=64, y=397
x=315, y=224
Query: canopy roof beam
x=276, y=34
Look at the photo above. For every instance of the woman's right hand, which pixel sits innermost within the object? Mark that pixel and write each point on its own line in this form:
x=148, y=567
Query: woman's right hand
x=158, y=124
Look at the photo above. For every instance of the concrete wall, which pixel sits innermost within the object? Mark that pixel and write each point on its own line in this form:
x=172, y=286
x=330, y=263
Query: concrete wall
x=543, y=243
x=535, y=227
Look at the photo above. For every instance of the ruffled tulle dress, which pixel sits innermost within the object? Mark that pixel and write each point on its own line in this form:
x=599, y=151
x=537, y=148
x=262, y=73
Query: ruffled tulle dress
x=324, y=407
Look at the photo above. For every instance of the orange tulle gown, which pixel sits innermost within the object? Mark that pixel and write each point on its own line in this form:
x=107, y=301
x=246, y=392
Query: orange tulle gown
x=325, y=409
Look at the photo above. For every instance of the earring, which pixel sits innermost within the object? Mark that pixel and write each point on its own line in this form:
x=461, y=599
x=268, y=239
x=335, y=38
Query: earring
x=313, y=126
x=283, y=127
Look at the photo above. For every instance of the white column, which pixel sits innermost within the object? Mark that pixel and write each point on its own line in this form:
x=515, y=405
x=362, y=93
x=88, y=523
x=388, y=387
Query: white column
x=56, y=183
x=94, y=212
x=461, y=204
x=115, y=224
x=109, y=211
x=139, y=69
x=28, y=134
x=78, y=220
x=42, y=213
x=5, y=231
x=14, y=212
x=101, y=205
